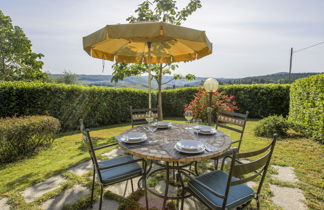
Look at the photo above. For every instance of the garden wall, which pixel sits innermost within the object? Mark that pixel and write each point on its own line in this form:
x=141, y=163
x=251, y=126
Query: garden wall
x=103, y=106
x=307, y=105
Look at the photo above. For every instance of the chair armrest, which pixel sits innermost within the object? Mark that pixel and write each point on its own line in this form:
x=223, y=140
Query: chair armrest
x=202, y=184
x=228, y=156
x=121, y=164
x=109, y=145
x=233, y=142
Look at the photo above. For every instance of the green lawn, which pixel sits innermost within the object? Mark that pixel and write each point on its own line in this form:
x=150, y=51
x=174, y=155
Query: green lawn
x=305, y=155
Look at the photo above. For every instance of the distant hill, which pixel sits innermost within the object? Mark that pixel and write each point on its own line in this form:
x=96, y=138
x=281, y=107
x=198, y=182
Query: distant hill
x=141, y=81
x=280, y=77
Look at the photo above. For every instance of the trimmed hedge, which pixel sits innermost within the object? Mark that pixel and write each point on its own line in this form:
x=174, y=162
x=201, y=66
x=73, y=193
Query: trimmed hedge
x=100, y=106
x=173, y=100
x=22, y=136
x=307, y=106
x=96, y=105
x=261, y=100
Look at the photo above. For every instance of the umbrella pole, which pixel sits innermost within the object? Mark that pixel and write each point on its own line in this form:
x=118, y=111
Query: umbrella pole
x=149, y=74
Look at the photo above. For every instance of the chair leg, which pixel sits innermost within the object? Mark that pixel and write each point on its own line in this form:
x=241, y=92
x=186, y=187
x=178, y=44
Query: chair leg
x=183, y=189
x=145, y=194
x=101, y=193
x=145, y=187
x=216, y=164
x=196, y=168
x=166, y=186
x=182, y=199
x=125, y=188
x=258, y=203
x=93, y=184
x=132, y=185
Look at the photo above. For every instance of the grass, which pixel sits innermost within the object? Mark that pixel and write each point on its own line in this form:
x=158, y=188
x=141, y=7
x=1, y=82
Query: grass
x=305, y=155
x=66, y=151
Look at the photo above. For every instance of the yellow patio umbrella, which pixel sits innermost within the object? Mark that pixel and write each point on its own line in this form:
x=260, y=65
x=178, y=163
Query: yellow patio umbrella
x=147, y=42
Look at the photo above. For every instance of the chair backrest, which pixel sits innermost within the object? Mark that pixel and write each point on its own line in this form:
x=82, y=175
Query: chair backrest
x=88, y=142
x=138, y=115
x=245, y=172
x=225, y=119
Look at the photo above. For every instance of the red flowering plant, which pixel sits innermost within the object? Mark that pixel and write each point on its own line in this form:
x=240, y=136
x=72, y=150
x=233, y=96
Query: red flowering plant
x=220, y=101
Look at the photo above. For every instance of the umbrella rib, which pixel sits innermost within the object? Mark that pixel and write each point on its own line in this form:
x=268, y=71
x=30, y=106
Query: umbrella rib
x=114, y=54
x=188, y=47
x=168, y=53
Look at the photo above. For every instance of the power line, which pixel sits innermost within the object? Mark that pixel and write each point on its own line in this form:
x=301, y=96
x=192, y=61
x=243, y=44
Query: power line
x=313, y=45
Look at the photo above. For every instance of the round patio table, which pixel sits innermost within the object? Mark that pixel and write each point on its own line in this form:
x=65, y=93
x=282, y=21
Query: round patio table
x=159, y=148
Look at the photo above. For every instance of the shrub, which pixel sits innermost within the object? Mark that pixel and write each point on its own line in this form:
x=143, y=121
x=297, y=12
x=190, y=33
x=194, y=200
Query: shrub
x=271, y=125
x=307, y=106
x=174, y=100
x=261, y=100
x=220, y=101
x=98, y=106
x=22, y=136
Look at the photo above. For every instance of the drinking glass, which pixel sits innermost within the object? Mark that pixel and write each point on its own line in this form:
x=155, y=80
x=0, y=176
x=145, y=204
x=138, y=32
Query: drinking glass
x=188, y=115
x=149, y=117
x=197, y=121
x=153, y=127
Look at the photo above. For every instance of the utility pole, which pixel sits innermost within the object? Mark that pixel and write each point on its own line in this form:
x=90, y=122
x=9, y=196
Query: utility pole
x=290, y=65
x=297, y=51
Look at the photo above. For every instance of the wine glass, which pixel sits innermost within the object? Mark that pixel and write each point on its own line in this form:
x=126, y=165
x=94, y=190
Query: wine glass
x=153, y=127
x=188, y=115
x=197, y=121
x=149, y=117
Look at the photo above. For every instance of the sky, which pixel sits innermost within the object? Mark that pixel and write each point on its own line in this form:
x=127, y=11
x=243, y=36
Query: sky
x=250, y=37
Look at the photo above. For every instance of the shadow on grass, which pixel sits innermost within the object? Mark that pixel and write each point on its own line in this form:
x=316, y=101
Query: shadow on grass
x=19, y=181
x=67, y=133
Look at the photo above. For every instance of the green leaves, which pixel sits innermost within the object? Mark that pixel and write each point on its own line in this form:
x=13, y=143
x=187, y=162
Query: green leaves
x=17, y=61
x=260, y=100
x=22, y=136
x=67, y=78
x=271, y=125
x=307, y=106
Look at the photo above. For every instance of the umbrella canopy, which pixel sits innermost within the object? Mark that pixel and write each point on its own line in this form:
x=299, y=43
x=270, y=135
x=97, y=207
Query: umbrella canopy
x=147, y=42
x=127, y=43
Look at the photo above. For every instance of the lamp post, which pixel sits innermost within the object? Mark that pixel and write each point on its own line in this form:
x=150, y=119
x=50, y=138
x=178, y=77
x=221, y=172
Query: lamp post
x=210, y=86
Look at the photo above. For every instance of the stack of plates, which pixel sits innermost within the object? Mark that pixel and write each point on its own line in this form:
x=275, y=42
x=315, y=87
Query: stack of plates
x=163, y=124
x=189, y=146
x=134, y=137
x=207, y=130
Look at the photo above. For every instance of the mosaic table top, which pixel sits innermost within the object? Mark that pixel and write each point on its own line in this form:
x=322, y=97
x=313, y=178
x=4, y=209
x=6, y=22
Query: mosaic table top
x=160, y=144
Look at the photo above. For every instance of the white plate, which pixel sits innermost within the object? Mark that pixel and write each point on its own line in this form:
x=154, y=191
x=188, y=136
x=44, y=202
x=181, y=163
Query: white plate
x=176, y=147
x=163, y=124
x=190, y=145
x=202, y=129
x=134, y=137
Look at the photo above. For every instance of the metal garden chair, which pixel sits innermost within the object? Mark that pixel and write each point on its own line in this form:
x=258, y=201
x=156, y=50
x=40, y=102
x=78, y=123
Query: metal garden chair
x=221, y=190
x=114, y=170
x=227, y=120
x=138, y=115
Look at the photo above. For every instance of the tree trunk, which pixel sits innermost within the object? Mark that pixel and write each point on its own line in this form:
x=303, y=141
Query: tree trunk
x=160, y=94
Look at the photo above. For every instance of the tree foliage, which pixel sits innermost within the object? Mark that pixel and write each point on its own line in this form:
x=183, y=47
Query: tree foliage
x=157, y=10
x=17, y=60
x=163, y=11
x=67, y=78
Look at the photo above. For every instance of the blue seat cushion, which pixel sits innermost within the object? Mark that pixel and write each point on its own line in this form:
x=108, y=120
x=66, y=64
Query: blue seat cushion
x=217, y=181
x=119, y=173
